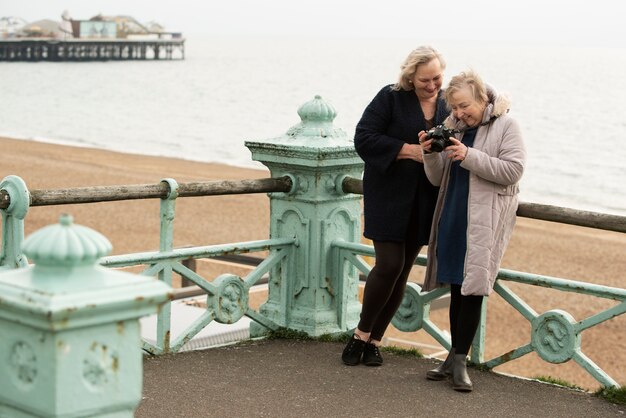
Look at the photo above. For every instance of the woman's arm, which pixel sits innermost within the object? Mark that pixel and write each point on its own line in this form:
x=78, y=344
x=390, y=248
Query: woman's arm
x=370, y=141
x=410, y=152
x=433, y=161
x=508, y=166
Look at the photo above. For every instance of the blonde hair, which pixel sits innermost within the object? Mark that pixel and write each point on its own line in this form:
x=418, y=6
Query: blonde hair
x=471, y=80
x=420, y=55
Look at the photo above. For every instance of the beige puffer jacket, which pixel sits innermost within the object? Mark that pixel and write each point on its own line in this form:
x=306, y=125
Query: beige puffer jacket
x=496, y=163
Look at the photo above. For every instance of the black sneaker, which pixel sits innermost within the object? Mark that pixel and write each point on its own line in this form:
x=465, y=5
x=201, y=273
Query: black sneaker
x=371, y=355
x=354, y=350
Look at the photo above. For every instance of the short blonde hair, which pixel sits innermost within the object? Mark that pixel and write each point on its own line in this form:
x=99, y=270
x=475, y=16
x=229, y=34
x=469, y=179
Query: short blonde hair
x=471, y=80
x=420, y=55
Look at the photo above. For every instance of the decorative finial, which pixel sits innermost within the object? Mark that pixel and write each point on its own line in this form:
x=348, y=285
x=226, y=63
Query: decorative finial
x=317, y=118
x=66, y=244
x=66, y=219
x=317, y=110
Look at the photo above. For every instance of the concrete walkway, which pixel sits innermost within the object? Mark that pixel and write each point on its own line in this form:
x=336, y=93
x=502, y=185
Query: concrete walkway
x=288, y=378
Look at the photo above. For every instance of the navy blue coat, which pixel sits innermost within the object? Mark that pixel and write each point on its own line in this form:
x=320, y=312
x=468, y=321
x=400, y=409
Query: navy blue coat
x=394, y=189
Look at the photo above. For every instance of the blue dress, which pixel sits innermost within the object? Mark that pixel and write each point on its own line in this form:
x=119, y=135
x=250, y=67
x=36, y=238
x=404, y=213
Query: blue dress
x=452, y=232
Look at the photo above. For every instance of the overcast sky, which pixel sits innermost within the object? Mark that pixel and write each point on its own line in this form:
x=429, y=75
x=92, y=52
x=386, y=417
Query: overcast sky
x=588, y=22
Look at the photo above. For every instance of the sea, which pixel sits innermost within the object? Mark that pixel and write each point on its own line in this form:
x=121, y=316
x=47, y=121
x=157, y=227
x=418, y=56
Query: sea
x=569, y=100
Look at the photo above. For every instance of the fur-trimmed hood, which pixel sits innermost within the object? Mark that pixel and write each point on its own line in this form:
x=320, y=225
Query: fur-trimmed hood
x=498, y=104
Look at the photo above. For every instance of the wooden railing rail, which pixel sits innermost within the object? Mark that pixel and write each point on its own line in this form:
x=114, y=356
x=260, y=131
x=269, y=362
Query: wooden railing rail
x=542, y=212
x=160, y=190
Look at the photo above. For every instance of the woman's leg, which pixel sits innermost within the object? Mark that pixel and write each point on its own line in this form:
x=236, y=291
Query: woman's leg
x=380, y=283
x=411, y=250
x=467, y=324
x=444, y=370
x=464, y=318
x=468, y=320
x=378, y=288
x=455, y=310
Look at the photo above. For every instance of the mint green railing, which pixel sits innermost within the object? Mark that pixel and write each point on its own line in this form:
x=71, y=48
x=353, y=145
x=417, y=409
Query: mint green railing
x=227, y=299
x=555, y=335
x=227, y=295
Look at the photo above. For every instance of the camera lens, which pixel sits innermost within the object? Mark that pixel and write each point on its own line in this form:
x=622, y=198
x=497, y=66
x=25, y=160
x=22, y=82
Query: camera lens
x=437, y=145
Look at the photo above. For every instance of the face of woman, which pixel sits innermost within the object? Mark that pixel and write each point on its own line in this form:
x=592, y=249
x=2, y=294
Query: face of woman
x=427, y=79
x=466, y=108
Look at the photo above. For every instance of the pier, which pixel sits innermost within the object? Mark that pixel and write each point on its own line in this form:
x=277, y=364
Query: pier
x=35, y=50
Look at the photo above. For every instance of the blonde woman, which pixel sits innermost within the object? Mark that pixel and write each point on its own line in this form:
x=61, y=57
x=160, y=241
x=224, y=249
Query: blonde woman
x=478, y=173
x=398, y=198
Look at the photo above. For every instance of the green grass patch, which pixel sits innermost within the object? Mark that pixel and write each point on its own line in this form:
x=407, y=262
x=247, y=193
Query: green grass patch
x=335, y=338
x=557, y=381
x=611, y=394
x=288, y=334
x=478, y=366
x=408, y=352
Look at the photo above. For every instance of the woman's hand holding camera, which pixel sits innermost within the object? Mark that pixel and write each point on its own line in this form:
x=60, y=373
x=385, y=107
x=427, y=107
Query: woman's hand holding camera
x=457, y=151
x=425, y=143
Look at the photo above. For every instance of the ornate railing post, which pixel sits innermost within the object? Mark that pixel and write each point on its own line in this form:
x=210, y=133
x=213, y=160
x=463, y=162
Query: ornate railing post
x=11, y=256
x=70, y=342
x=310, y=292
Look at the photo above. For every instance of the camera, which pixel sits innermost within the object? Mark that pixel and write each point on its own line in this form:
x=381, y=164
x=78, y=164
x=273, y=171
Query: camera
x=440, y=136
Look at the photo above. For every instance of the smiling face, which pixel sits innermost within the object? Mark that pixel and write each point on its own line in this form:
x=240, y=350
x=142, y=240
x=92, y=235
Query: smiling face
x=466, y=108
x=428, y=79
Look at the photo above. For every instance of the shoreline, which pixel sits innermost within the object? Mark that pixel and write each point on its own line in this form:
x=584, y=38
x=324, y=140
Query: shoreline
x=72, y=144
x=536, y=247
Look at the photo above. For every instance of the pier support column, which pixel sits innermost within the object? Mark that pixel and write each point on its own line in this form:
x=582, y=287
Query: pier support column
x=307, y=293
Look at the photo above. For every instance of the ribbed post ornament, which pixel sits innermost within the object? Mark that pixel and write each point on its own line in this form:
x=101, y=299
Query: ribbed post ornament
x=66, y=244
x=71, y=343
x=317, y=117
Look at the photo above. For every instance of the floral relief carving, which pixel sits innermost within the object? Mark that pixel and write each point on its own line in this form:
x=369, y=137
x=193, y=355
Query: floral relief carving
x=23, y=361
x=99, y=365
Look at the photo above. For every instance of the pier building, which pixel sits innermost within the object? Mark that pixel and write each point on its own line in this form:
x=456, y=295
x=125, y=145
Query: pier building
x=100, y=38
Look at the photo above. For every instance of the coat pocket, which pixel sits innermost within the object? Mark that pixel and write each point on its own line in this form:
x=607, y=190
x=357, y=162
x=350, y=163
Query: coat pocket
x=510, y=190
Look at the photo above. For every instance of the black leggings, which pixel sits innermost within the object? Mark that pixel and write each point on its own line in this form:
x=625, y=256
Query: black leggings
x=464, y=318
x=385, y=284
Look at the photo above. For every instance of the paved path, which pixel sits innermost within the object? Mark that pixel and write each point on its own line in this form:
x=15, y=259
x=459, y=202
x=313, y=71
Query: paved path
x=288, y=378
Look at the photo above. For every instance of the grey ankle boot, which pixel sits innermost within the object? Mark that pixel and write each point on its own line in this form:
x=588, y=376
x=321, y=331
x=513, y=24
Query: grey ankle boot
x=460, y=378
x=444, y=370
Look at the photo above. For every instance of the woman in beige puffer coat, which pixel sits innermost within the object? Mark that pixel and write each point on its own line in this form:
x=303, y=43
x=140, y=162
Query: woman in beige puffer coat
x=478, y=174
